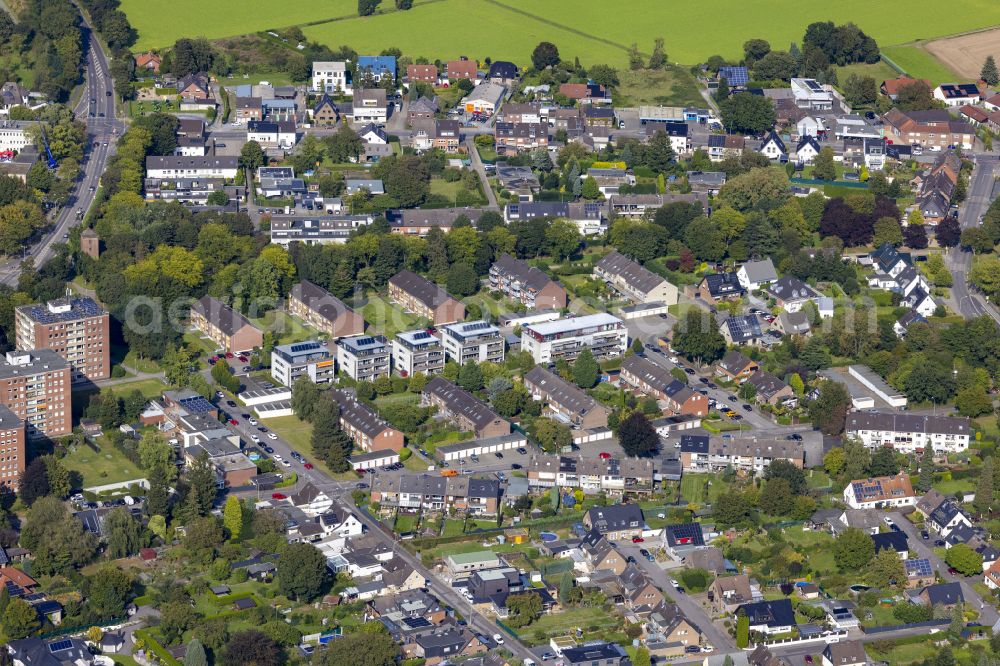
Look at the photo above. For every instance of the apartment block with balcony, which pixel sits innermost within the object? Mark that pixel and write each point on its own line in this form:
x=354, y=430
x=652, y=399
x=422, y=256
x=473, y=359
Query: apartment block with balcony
x=526, y=284
x=75, y=328
x=417, y=351
x=364, y=357
x=310, y=359
x=36, y=386
x=603, y=334
x=478, y=341
x=324, y=311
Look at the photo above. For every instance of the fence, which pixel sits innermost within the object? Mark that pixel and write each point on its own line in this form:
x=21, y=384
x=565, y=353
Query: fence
x=66, y=631
x=823, y=183
x=833, y=637
x=912, y=625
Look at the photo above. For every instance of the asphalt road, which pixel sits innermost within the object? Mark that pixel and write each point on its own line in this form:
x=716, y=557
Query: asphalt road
x=99, y=147
x=970, y=302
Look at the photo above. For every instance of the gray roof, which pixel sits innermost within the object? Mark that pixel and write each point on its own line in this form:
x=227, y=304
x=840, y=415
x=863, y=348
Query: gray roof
x=192, y=162
x=422, y=289
x=320, y=301
x=791, y=289
x=766, y=384
x=616, y=517
x=735, y=362
x=37, y=361
x=651, y=373
x=460, y=401
x=761, y=271
x=561, y=392
x=218, y=313
x=897, y=422
x=638, y=278
x=358, y=414
x=516, y=269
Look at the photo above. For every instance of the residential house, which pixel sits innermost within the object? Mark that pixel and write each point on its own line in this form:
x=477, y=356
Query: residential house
x=769, y=617
x=595, y=652
x=722, y=146
x=225, y=327
x=807, y=149
x=363, y=425
x=423, y=298
x=182, y=166
x=919, y=572
x=770, y=389
x=709, y=182
x=526, y=284
x=742, y=330
x=419, y=221
x=601, y=554
x=364, y=357
x=324, y=311
x=880, y=492
x=791, y=293
x=148, y=62
x=946, y=595
x=590, y=218
x=456, y=70
x=845, y=653
x=736, y=367
x=890, y=88
x=716, y=288
x=947, y=517
x=938, y=187
x=502, y=72
x=773, y=148
x=957, y=94
x=566, y=401
x=478, y=341
x=755, y=275
x=934, y=127
x=793, y=323
x=591, y=475
x=436, y=133
x=909, y=433
x=640, y=594
x=331, y=77
x=666, y=626
x=513, y=138
x=437, y=493
x=682, y=538
x=892, y=541
x=617, y=522
x=657, y=381
x=700, y=453
x=422, y=74
x=424, y=108
x=605, y=335
x=370, y=106
x=378, y=67
x=194, y=87
x=320, y=229
x=464, y=410
x=634, y=281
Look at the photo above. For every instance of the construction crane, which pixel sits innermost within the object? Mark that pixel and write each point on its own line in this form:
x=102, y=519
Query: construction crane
x=51, y=160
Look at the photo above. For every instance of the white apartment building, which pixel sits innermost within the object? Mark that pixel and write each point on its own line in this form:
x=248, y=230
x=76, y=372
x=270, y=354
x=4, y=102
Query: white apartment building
x=181, y=166
x=478, y=341
x=310, y=359
x=331, y=77
x=14, y=134
x=417, y=351
x=603, y=334
x=363, y=357
x=909, y=433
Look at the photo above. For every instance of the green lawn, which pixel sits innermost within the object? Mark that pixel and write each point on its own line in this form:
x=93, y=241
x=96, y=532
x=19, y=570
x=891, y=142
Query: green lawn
x=879, y=71
x=285, y=327
x=453, y=527
x=919, y=63
x=405, y=523
x=387, y=319
x=450, y=190
x=151, y=388
x=673, y=86
x=952, y=486
x=702, y=488
x=133, y=361
x=101, y=467
x=566, y=623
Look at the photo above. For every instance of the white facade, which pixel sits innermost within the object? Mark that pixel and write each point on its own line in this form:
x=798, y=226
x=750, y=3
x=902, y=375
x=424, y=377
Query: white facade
x=477, y=341
x=14, y=134
x=909, y=438
x=605, y=335
x=363, y=357
x=304, y=359
x=178, y=166
x=417, y=351
x=331, y=77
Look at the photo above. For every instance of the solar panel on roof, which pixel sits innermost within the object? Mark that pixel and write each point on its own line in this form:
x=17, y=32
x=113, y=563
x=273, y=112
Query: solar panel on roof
x=365, y=341
x=421, y=335
x=60, y=645
x=735, y=76
x=919, y=567
x=304, y=346
x=477, y=326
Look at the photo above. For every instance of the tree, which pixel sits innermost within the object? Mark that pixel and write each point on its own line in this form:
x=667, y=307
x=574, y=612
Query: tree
x=585, y=370
x=658, y=59
x=524, y=609
x=777, y=499
x=886, y=571
x=562, y=239
x=746, y=113
x=926, y=478
x=853, y=549
x=776, y=65
x=470, y=377
x=360, y=648
x=916, y=96
x=20, y=619
x=462, y=280
x=696, y=337
x=551, y=435
x=989, y=72
x=824, y=167
x=984, y=488
x=108, y=592
x=748, y=391
x=305, y=398
x=301, y=571
x=201, y=481
x=252, y=156
x=641, y=657
x=55, y=537
x=754, y=50
x=34, y=482
x=637, y=436
x=590, y=189
x=194, y=654
x=973, y=401
x=722, y=90
x=367, y=7
x=252, y=648
x=834, y=461
x=884, y=462
x=232, y=517
x=860, y=90
x=742, y=630
x=124, y=533
x=829, y=411
x=914, y=236
x=948, y=232
x=545, y=55
x=782, y=469
x=964, y=559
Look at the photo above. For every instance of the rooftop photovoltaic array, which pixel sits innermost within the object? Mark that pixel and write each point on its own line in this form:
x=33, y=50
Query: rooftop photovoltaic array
x=421, y=335
x=60, y=645
x=81, y=307
x=477, y=326
x=919, y=567
x=305, y=346
x=814, y=85
x=735, y=76
x=196, y=405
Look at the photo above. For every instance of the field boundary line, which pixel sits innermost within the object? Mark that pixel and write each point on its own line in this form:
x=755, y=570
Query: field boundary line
x=555, y=24
x=349, y=17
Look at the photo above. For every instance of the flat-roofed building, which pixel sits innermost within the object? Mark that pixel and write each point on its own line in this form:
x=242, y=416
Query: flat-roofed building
x=12, y=450
x=363, y=357
x=374, y=460
x=634, y=281
x=478, y=341
x=603, y=334
x=870, y=379
x=78, y=329
x=310, y=359
x=909, y=433
x=182, y=166
x=224, y=326
x=567, y=402
x=463, y=409
x=36, y=386
x=365, y=427
x=324, y=311
x=526, y=284
x=417, y=351
x=480, y=447
x=425, y=299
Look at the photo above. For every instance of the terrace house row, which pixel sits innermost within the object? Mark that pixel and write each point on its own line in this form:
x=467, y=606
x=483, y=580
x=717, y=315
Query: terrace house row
x=463, y=409
x=425, y=299
x=437, y=493
x=323, y=311
x=701, y=453
x=592, y=475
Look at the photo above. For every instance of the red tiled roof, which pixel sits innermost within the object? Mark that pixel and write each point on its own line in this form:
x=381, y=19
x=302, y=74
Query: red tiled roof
x=892, y=86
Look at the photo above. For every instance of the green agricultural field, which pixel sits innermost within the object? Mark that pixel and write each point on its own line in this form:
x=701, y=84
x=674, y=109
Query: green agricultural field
x=673, y=86
x=880, y=71
x=919, y=63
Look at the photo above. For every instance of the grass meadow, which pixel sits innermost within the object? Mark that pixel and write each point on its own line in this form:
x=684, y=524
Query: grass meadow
x=590, y=30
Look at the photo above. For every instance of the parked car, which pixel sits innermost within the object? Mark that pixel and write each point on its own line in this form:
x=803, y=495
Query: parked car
x=271, y=435
x=498, y=639
x=278, y=496
x=637, y=539
x=924, y=534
